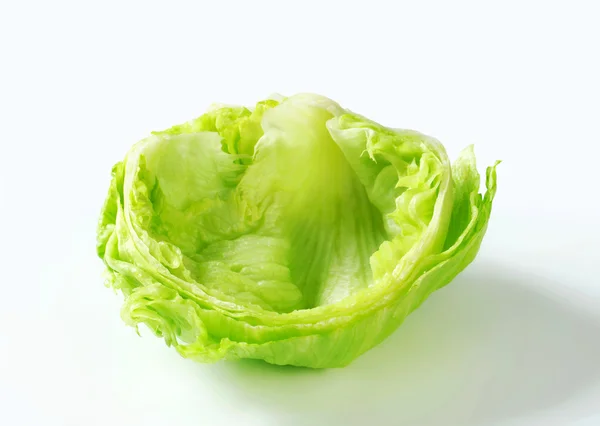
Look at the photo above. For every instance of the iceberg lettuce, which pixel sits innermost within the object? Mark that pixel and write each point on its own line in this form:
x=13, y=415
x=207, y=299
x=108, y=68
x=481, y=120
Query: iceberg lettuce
x=296, y=232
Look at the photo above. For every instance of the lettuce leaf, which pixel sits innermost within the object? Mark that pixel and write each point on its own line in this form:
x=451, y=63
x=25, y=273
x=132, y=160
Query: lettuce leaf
x=296, y=232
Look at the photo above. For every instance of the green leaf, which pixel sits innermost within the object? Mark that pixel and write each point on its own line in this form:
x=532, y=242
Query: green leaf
x=297, y=232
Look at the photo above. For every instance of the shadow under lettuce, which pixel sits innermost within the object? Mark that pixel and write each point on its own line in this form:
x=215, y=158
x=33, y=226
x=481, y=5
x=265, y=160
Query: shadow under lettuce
x=495, y=344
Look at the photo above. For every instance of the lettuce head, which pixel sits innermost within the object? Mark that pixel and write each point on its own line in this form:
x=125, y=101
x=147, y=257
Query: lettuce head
x=296, y=232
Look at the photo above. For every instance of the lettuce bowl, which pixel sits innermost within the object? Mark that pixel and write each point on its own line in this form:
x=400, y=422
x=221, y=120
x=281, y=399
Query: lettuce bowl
x=296, y=232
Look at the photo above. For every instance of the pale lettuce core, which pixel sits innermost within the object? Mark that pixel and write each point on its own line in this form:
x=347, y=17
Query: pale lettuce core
x=296, y=232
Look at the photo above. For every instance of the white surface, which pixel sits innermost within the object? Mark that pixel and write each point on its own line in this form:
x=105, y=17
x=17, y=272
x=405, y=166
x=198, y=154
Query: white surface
x=514, y=341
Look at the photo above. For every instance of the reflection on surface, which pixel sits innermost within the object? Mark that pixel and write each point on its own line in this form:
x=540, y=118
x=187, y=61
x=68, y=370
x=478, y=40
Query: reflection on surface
x=492, y=346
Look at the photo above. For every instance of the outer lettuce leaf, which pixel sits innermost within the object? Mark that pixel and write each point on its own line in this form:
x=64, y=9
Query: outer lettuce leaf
x=299, y=232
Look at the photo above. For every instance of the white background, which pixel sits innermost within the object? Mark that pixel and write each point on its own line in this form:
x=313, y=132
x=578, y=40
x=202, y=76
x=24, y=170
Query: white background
x=514, y=341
